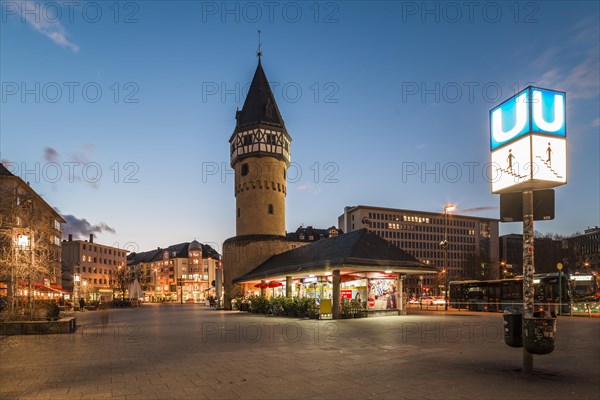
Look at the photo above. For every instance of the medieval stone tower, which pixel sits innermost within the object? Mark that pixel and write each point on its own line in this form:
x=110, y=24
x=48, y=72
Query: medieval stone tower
x=259, y=151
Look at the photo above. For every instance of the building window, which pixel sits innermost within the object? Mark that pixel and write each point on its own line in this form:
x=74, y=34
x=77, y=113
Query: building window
x=238, y=212
x=244, y=169
x=270, y=209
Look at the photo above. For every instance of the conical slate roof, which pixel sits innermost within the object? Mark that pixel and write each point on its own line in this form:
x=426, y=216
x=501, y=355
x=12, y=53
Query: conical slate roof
x=4, y=171
x=260, y=106
x=359, y=250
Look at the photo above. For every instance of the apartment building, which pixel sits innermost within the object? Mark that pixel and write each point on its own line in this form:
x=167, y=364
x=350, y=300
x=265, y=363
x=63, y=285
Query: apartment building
x=89, y=268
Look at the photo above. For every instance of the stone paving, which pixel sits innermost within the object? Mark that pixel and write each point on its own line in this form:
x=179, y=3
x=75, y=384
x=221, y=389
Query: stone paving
x=190, y=352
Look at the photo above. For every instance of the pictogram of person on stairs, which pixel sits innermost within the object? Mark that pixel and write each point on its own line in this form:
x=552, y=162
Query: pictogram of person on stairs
x=549, y=155
x=510, y=160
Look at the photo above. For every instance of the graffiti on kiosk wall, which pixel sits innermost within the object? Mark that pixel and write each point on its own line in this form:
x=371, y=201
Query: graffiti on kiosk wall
x=382, y=294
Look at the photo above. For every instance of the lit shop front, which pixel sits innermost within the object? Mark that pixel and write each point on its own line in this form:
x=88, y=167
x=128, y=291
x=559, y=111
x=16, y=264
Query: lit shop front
x=379, y=293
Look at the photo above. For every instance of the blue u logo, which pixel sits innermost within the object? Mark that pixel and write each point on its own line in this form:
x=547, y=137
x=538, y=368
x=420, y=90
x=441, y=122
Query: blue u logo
x=548, y=112
x=532, y=110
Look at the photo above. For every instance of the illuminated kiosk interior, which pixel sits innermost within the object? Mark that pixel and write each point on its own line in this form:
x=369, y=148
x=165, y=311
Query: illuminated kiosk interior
x=370, y=270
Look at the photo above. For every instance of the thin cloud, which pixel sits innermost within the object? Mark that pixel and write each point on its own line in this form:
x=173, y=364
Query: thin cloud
x=51, y=155
x=305, y=186
x=476, y=209
x=580, y=78
x=55, y=31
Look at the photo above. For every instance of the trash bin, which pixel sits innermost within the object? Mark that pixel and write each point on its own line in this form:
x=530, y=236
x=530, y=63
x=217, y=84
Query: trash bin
x=540, y=332
x=513, y=319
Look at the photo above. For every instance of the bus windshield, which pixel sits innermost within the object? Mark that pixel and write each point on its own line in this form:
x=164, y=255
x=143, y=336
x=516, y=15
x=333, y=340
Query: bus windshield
x=583, y=286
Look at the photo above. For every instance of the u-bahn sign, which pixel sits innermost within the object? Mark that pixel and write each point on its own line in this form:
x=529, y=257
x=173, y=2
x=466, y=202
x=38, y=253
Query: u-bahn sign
x=528, y=141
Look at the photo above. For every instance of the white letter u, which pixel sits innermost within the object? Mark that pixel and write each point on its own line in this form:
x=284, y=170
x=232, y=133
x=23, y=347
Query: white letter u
x=559, y=115
x=500, y=135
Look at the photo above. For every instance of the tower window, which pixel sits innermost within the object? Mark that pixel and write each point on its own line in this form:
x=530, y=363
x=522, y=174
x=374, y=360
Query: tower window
x=238, y=212
x=244, y=169
x=270, y=208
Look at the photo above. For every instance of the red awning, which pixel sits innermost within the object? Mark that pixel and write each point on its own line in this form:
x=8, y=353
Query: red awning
x=42, y=287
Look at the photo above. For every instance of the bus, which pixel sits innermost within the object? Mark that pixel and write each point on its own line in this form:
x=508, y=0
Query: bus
x=579, y=291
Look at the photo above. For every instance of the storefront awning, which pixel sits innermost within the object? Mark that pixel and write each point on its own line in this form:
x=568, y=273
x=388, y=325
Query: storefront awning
x=359, y=251
x=43, y=288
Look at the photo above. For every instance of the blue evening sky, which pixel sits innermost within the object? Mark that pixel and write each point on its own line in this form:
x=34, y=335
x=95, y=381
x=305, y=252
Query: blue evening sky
x=368, y=91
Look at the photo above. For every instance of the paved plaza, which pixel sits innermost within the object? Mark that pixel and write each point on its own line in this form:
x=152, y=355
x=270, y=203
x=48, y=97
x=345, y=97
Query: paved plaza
x=190, y=352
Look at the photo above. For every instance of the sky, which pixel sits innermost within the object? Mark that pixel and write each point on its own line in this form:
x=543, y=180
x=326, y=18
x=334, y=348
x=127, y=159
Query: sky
x=119, y=113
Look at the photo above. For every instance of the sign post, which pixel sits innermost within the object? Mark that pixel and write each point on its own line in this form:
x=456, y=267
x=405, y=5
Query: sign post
x=528, y=153
x=528, y=270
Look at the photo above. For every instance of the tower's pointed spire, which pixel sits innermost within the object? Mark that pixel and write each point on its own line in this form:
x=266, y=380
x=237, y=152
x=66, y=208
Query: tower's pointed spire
x=260, y=106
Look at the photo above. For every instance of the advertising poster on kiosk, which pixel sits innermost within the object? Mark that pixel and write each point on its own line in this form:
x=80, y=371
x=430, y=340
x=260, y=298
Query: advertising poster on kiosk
x=382, y=294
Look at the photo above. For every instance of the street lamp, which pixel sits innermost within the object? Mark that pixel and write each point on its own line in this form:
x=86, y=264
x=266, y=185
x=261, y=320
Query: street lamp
x=85, y=282
x=447, y=208
x=77, y=280
x=586, y=264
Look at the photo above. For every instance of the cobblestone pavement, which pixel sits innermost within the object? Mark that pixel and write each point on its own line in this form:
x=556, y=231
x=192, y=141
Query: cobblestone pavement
x=189, y=352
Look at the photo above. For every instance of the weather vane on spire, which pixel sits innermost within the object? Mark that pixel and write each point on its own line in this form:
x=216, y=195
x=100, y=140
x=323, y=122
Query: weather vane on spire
x=259, y=53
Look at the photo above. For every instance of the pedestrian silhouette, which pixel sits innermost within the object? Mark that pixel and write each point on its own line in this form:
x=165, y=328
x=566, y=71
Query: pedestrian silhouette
x=510, y=160
x=549, y=155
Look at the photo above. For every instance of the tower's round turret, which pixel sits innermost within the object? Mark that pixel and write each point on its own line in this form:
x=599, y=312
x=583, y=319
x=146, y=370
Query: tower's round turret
x=195, y=245
x=260, y=155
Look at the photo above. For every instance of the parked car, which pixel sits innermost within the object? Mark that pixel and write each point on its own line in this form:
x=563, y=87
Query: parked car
x=433, y=300
x=439, y=300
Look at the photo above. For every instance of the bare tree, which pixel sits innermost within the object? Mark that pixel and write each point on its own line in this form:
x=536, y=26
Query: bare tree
x=119, y=282
x=29, y=251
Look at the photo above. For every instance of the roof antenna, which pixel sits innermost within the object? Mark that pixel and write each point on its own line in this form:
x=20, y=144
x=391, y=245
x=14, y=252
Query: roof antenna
x=259, y=52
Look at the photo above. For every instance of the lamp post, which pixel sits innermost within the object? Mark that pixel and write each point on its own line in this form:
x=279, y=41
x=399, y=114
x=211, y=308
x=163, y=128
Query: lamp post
x=446, y=297
x=181, y=290
x=421, y=291
x=85, y=282
x=77, y=280
x=447, y=207
x=559, y=267
x=155, y=283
